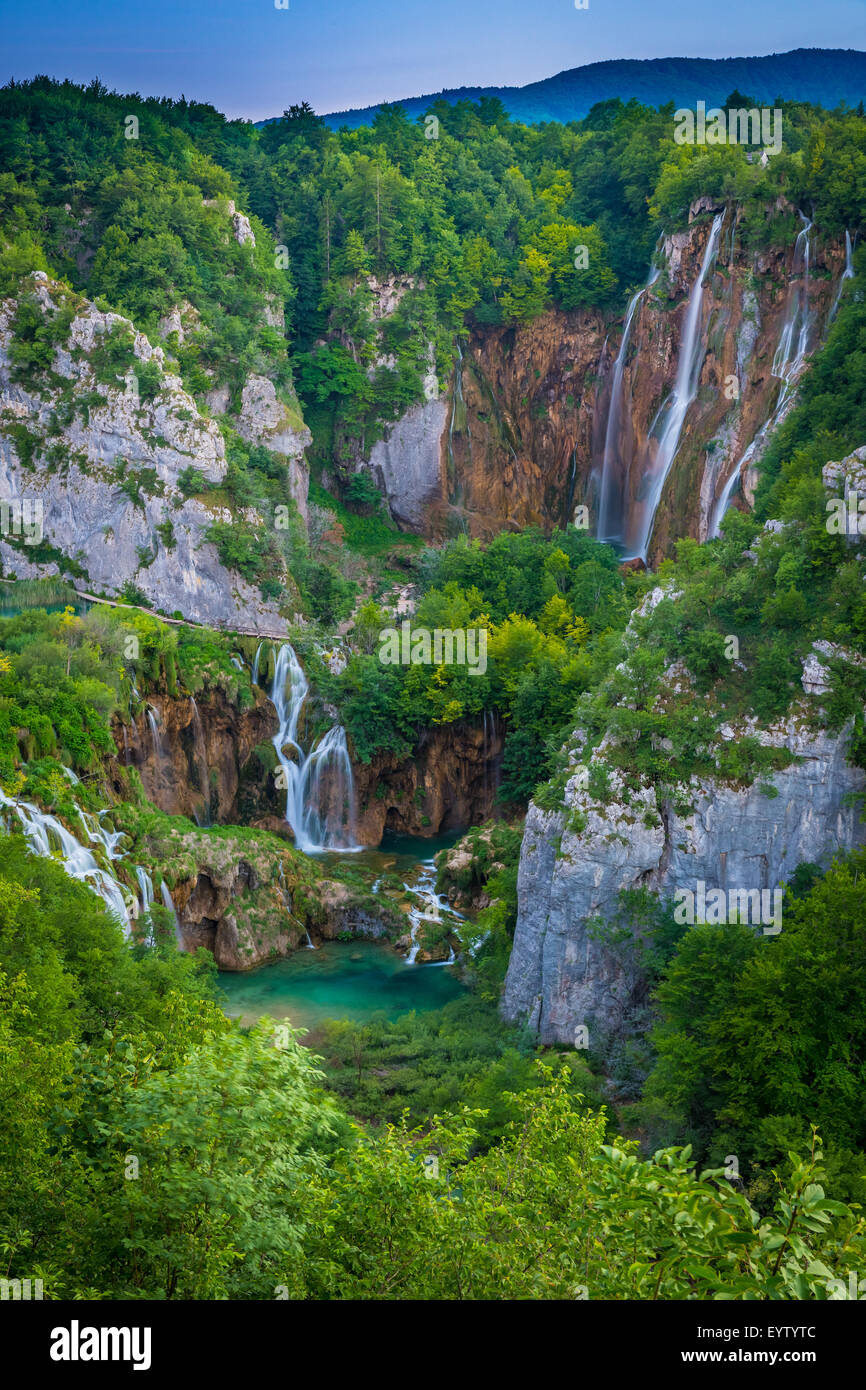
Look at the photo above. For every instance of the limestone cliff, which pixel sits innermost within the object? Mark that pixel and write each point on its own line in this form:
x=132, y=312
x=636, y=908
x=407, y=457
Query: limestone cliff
x=575, y=860
x=523, y=439
x=215, y=762
x=103, y=462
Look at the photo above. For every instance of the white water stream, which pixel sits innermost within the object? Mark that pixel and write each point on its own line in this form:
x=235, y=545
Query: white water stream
x=614, y=469
x=670, y=418
x=320, y=790
x=789, y=361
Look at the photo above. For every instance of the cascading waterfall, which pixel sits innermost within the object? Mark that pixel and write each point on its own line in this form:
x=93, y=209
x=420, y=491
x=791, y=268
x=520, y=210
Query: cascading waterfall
x=168, y=903
x=255, y=675
x=145, y=888
x=201, y=760
x=610, y=502
x=145, y=892
x=320, y=790
x=797, y=323
x=788, y=362
x=98, y=835
x=41, y=829
x=432, y=906
x=154, y=732
x=847, y=274
x=672, y=413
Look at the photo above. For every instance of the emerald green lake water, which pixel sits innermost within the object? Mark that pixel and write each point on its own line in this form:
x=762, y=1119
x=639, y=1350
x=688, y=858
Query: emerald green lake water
x=352, y=980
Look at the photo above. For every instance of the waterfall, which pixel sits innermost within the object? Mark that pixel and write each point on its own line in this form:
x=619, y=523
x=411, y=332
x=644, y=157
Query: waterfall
x=145, y=891
x=201, y=759
x=672, y=412
x=788, y=361
x=168, y=902
x=40, y=829
x=610, y=504
x=320, y=791
x=794, y=338
x=109, y=839
x=847, y=274
x=145, y=887
x=255, y=675
x=432, y=906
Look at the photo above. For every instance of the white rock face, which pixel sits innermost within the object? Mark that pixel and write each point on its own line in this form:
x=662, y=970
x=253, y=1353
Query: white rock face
x=849, y=475
x=560, y=975
x=264, y=420
x=407, y=463
x=125, y=443
x=183, y=320
x=816, y=678
x=387, y=293
x=241, y=229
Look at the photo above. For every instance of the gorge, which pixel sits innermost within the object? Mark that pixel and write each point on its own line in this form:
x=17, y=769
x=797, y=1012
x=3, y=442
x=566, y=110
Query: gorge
x=278, y=399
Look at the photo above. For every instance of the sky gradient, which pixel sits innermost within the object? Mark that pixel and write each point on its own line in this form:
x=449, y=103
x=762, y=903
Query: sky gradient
x=250, y=59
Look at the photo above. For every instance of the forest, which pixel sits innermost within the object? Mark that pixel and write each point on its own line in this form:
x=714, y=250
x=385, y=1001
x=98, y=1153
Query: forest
x=153, y=1148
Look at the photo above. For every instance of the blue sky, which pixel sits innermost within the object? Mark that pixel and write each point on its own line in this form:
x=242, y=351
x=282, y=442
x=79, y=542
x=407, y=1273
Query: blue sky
x=250, y=59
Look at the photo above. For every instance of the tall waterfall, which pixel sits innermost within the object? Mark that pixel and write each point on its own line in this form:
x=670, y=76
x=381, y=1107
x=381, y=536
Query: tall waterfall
x=797, y=323
x=168, y=903
x=788, y=361
x=671, y=415
x=255, y=675
x=847, y=274
x=320, y=791
x=145, y=887
x=614, y=469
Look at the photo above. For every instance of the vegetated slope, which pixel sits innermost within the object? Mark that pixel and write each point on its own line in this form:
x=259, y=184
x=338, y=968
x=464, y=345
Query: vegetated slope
x=825, y=76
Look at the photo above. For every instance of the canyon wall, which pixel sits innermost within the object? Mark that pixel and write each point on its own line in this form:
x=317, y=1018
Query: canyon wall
x=215, y=763
x=524, y=438
x=577, y=859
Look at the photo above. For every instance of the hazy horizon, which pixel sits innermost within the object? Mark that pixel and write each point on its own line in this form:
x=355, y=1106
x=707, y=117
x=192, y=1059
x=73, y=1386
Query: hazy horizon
x=250, y=59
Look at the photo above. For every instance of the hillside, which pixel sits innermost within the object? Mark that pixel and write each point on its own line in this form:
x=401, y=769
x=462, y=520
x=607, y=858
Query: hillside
x=425, y=580
x=824, y=77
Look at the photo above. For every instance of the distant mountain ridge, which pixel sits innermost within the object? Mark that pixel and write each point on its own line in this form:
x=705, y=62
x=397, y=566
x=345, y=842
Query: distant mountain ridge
x=826, y=76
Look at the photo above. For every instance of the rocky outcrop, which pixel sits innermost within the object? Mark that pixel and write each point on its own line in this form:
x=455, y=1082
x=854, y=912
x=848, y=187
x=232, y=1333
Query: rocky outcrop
x=198, y=757
x=448, y=783
x=103, y=463
x=264, y=419
x=575, y=862
x=408, y=464
x=246, y=898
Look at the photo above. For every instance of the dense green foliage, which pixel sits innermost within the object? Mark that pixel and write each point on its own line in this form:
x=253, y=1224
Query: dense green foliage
x=760, y=1037
x=152, y=1150
x=547, y=606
